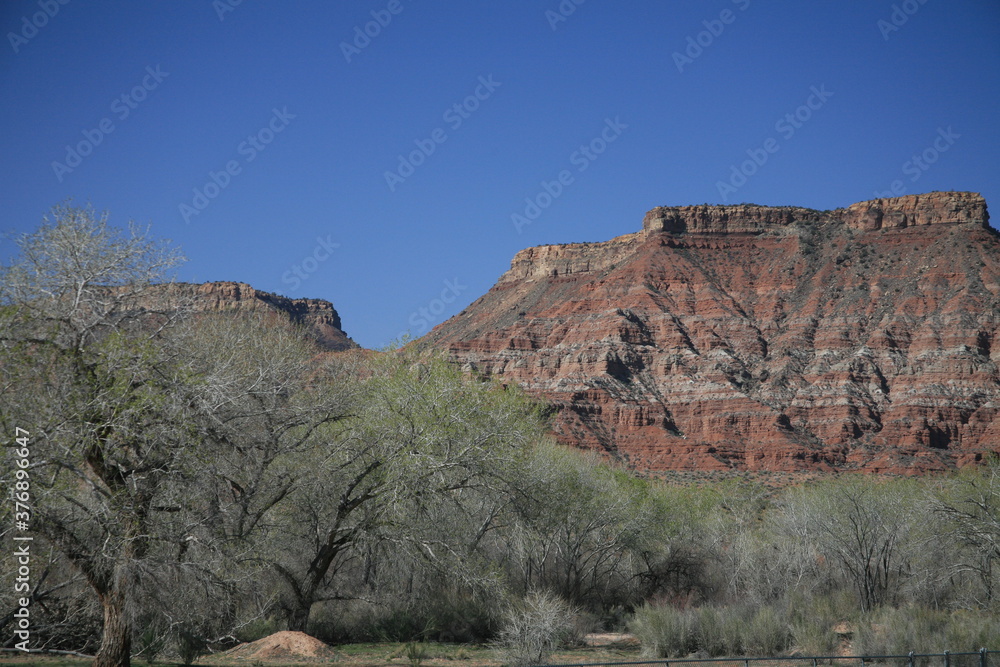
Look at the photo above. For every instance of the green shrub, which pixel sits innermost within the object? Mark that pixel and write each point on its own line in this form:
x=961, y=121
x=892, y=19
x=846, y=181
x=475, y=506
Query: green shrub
x=358, y=621
x=190, y=646
x=767, y=634
x=666, y=632
x=809, y=626
x=416, y=653
x=813, y=621
x=442, y=615
x=890, y=631
x=718, y=631
x=970, y=631
x=402, y=625
x=150, y=642
x=663, y=631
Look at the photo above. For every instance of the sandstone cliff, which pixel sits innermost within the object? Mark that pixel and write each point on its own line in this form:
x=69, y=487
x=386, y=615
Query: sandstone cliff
x=761, y=338
x=318, y=316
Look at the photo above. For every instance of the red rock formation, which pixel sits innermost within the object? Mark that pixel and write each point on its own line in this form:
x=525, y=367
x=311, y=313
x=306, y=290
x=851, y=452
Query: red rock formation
x=317, y=315
x=760, y=338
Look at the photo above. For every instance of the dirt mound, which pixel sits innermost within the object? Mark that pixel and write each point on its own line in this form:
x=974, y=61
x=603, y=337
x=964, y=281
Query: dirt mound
x=283, y=646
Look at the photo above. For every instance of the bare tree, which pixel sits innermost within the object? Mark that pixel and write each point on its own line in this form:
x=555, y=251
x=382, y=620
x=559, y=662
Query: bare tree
x=533, y=628
x=970, y=506
x=83, y=374
x=261, y=395
x=159, y=440
x=869, y=527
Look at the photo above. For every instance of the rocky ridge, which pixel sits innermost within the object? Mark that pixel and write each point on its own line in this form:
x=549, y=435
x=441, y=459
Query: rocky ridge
x=760, y=338
x=318, y=316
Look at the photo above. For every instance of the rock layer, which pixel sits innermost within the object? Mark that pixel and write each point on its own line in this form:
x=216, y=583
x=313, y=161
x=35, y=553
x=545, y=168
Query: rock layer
x=318, y=316
x=760, y=338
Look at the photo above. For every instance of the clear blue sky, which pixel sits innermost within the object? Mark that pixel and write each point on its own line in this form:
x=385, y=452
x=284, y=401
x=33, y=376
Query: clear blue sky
x=160, y=95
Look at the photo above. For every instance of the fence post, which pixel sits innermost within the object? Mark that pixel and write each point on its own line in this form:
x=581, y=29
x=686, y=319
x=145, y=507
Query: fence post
x=947, y=659
x=911, y=658
x=982, y=657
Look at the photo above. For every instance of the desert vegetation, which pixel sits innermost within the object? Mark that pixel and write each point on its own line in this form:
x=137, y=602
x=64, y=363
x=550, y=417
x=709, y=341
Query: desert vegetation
x=202, y=479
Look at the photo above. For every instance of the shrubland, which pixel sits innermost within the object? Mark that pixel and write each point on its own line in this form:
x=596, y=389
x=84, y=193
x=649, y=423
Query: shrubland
x=201, y=479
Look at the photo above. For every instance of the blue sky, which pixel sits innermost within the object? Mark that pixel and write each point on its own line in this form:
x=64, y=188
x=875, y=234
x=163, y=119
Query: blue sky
x=395, y=173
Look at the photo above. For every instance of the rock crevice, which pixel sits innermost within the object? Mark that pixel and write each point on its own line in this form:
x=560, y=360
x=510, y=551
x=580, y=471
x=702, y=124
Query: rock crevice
x=752, y=337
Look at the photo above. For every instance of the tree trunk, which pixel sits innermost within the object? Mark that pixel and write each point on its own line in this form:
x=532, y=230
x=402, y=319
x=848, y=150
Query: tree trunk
x=298, y=618
x=116, y=640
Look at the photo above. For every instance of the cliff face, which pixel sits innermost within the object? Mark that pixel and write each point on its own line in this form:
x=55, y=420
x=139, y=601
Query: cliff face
x=317, y=315
x=760, y=338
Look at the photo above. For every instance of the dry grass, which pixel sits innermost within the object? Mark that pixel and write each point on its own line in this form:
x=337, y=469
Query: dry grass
x=599, y=648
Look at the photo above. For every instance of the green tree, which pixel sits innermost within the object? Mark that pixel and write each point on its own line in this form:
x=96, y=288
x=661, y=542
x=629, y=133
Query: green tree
x=594, y=535
x=424, y=442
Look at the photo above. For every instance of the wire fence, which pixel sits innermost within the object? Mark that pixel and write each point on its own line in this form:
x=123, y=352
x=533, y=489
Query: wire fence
x=978, y=658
